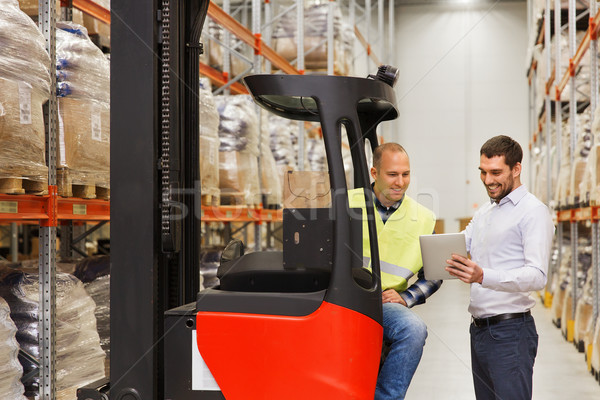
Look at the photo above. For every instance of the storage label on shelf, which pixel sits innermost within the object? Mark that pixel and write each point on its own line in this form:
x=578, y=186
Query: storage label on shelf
x=79, y=209
x=9, y=207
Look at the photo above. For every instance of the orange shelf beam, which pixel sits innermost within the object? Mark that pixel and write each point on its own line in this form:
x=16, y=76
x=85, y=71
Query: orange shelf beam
x=246, y=36
x=239, y=214
x=93, y=9
x=218, y=78
x=83, y=209
x=22, y=208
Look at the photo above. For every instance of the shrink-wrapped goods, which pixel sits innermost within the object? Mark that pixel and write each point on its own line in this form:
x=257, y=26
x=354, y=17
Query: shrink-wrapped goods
x=271, y=186
x=539, y=161
x=584, y=261
x=590, y=184
x=210, y=259
x=594, y=357
x=83, y=83
x=584, y=312
x=583, y=147
x=561, y=281
x=10, y=368
x=563, y=186
x=316, y=13
x=283, y=138
x=209, y=143
x=238, y=150
x=317, y=158
x=24, y=87
x=79, y=357
x=94, y=273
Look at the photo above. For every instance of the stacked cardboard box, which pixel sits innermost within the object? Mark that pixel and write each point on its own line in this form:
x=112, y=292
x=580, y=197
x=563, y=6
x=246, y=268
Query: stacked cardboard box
x=209, y=145
x=83, y=75
x=24, y=87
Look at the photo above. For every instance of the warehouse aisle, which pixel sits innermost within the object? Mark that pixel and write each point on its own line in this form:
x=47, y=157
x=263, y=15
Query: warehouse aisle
x=444, y=373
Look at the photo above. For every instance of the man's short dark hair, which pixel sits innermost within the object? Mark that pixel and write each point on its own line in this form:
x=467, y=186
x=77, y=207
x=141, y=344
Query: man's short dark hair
x=503, y=146
x=394, y=147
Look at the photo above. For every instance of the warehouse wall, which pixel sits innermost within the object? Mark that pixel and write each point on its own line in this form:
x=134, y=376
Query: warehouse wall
x=462, y=81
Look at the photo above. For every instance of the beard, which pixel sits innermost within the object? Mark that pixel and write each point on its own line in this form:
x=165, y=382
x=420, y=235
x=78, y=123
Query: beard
x=507, y=189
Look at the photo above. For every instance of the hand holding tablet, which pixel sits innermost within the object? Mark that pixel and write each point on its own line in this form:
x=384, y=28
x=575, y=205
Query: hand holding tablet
x=436, y=249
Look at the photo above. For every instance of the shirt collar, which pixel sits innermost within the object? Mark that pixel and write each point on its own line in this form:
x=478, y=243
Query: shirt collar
x=515, y=196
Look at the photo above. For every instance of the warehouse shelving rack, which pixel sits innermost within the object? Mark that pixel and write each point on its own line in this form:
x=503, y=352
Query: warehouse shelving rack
x=541, y=125
x=51, y=211
x=259, y=38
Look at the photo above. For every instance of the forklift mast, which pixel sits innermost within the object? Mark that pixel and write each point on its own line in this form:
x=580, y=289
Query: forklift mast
x=155, y=224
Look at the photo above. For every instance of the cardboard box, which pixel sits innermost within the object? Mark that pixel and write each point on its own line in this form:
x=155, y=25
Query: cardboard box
x=306, y=189
x=22, y=134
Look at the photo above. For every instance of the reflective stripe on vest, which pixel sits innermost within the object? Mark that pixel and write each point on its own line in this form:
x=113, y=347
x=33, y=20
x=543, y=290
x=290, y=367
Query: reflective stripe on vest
x=399, y=249
x=390, y=268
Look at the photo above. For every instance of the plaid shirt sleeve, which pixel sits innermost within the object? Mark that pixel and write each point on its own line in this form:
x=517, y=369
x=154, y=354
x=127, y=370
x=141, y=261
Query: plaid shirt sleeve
x=419, y=291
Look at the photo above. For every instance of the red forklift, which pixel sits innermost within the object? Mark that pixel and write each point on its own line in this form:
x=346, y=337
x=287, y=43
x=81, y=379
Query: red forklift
x=300, y=323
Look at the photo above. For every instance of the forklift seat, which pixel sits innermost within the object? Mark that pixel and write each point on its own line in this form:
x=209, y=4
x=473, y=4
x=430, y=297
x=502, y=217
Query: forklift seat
x=264, y=271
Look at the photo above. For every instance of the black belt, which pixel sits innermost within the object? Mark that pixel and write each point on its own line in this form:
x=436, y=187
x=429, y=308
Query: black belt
x=481, y=322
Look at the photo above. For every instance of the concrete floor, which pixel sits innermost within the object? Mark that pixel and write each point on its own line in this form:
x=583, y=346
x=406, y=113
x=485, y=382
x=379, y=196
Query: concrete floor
x=444, y=373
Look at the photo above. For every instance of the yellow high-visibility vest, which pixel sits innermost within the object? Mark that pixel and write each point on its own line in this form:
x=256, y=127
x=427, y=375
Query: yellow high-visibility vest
x=398, y=238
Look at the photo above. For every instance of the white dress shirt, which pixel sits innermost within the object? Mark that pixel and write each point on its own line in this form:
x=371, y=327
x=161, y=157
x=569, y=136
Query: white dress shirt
x=511, y=242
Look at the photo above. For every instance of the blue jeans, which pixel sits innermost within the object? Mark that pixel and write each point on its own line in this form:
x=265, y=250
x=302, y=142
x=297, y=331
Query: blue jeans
x=406, y=333
x=502, y=358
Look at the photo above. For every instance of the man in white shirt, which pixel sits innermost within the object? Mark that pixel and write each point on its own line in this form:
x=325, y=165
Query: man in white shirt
x=509, y=240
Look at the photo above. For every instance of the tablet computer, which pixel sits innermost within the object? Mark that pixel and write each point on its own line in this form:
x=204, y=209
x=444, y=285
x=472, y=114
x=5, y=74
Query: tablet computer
x=436, y=249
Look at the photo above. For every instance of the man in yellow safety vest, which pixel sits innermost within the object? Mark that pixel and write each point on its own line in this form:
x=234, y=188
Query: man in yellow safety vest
x=400, y=221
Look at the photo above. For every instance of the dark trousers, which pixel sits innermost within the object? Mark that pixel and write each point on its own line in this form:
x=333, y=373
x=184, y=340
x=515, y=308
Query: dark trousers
x=502, y=358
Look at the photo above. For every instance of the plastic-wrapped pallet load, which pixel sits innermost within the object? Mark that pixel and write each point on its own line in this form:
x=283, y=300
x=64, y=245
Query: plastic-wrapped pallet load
x=238, y=150
x=318, y=160
x=209, y=145
x=590, y=183
x=79, y=357
x=562, y=280
x=83, y=80
x=283, y=134
x=24, y=87
x=594, y=358
x=539, y=161
x=210, y=260
x=271, y=187
x=584, y=261
x=315, y=37
x=584, y=312
x=583, y=147
x=10, y=368
x=562, y=192
x=94, y=273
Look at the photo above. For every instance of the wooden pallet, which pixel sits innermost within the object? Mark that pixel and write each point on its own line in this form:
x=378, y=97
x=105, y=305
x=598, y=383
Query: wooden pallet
x=67, y=189
x=90, y=192
x=22, y=186
x=235, y=199
x=210, y=200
